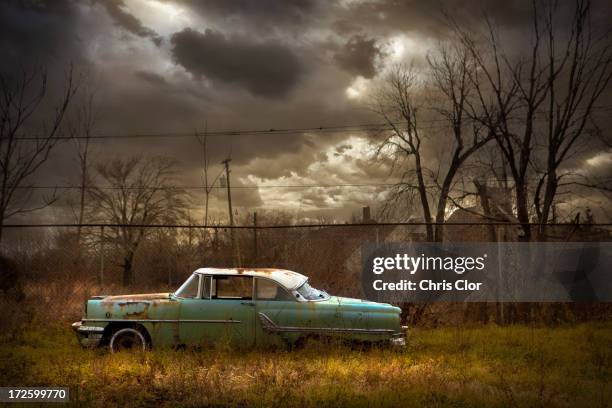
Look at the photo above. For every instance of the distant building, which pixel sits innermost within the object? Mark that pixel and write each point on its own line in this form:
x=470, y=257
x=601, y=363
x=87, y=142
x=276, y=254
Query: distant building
x=494, y=206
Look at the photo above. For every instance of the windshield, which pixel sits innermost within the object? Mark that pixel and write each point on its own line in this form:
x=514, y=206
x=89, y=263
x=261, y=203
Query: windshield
x=310, y=293
x=189, y=289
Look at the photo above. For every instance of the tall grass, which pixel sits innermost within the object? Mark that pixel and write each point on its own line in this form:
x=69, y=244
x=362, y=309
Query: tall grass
x=493, y=366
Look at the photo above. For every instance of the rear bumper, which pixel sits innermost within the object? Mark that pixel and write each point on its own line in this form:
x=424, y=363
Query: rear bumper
x=89, y=336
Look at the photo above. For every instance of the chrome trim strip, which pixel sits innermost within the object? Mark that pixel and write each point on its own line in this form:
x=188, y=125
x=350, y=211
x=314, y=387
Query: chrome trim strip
x=269, y=325
x=89, y=329
x=161, y=321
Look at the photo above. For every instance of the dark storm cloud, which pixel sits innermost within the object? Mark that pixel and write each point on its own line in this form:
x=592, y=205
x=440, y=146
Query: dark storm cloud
x=429, y=18
x=38, y=32
x=359, y=56
x=273, y=63
x=267, y=69
x=426, y=17
x=118, y=12
x=151, y=78
x=264, y=15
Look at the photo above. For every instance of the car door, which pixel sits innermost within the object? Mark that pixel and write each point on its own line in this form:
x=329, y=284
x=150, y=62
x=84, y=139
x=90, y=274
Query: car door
x=223, y=313
x=278, y=305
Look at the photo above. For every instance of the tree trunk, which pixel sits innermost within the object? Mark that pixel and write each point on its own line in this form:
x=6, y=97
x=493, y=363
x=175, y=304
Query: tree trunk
x=1, y=226
x=83, y=186
x=483, y=194
x=522, y=209
x=443, y=198
x=423, y=196
x=127, y=269
x=441, y=211
x=549, y=195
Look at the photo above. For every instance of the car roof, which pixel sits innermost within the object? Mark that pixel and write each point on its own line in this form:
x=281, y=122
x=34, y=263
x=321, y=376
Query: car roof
x=288, y=279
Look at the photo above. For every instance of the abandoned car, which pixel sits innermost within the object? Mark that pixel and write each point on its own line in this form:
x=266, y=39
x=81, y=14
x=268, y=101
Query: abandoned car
x=242, y=307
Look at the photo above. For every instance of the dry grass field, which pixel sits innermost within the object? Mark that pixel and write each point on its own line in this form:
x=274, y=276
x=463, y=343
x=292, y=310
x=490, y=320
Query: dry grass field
x=450, y=360
x=456, y=366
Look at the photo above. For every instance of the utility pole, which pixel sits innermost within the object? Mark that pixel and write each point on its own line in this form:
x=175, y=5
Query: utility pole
x=255, y=249
x=229, y=206
x=229, y=194
x=207, y=188
x=101, y=275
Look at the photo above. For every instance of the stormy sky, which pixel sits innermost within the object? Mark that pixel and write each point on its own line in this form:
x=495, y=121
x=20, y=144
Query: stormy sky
x=172, y=66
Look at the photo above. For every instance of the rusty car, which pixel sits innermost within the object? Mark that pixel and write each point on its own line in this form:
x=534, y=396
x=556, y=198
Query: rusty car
x=239, y=306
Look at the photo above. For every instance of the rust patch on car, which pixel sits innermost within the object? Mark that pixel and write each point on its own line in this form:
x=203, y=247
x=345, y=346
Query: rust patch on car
x=266, y=271
x=139, y=297
x=137, y=315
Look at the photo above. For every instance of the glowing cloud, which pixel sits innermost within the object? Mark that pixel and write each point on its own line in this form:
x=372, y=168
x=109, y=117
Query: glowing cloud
x=358, y=88
x=600, y=159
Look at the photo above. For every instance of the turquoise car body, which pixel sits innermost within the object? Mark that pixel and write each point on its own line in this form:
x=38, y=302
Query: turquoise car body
x=264, y=307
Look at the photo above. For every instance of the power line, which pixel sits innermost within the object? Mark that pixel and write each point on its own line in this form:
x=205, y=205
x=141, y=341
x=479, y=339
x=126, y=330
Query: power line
x=251, y=227
x=273, y=131
x=253, y=132
x=288, y=186
x=398, y=184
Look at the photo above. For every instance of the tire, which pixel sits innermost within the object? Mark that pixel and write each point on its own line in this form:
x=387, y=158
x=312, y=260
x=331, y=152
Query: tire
x=128, y=339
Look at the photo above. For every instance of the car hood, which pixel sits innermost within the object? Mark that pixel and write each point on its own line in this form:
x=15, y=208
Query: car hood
x=137, y=297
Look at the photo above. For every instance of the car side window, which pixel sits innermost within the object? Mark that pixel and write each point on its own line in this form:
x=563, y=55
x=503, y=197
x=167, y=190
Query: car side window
x=232, y=287
x=269, y=290
x=206, y=283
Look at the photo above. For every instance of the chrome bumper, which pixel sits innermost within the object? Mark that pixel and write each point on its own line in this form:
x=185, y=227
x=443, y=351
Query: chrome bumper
x=89, y=336
x=399, y=339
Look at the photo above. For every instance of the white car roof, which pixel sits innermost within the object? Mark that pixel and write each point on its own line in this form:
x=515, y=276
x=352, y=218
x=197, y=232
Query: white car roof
x=288, y=279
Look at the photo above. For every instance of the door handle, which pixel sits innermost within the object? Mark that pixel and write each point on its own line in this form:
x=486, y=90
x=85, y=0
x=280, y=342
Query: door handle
x=247, y=303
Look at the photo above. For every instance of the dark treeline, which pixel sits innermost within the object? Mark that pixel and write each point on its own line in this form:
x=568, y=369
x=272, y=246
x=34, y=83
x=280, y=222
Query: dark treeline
x=47, y=279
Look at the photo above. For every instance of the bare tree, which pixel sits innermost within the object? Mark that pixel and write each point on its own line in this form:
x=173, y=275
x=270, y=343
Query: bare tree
x=203, y=141
x=449, y=88
x=498, y=97
x=398, y=104
x=578, y=74
x=450, y=70
x=538, y=105
x=25, y=146
x=208, y=185
x=135, y=193
x=81, y=130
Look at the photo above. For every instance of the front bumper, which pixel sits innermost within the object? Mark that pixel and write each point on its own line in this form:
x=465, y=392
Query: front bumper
x=399, y=339
x=89, y=336
x=398, y=342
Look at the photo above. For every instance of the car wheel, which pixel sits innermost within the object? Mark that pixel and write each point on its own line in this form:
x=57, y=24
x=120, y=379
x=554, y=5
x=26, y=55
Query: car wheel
x=128, y=339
